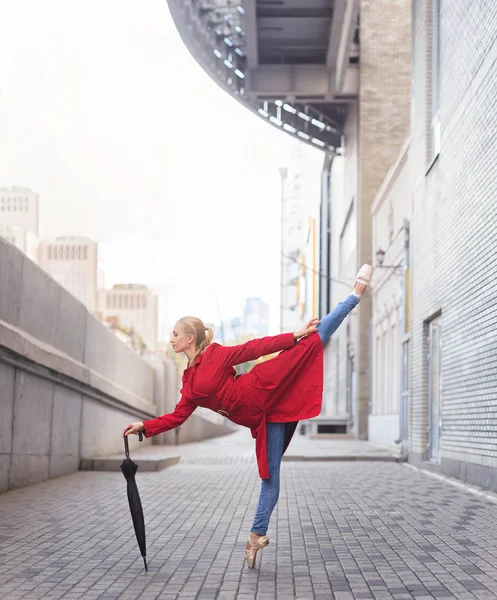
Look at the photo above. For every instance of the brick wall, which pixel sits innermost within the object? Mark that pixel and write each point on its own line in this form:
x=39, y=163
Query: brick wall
x=384, y=109
x=454, y=237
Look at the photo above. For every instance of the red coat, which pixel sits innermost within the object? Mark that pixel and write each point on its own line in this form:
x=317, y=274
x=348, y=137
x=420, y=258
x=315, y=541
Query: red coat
x=285, y=389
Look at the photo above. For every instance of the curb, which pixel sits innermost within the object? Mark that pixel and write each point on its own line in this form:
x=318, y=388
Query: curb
x=114, y=464
x=345, y=458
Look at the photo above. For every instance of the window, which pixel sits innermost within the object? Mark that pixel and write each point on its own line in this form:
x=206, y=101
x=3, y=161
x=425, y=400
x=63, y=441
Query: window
x=434, y=147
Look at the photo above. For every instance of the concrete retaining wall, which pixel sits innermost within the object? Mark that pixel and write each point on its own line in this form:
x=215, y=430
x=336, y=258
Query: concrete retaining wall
x=67, y=384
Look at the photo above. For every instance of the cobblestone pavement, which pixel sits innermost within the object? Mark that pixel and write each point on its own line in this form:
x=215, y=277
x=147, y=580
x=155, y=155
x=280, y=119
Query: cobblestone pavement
x=342, y=531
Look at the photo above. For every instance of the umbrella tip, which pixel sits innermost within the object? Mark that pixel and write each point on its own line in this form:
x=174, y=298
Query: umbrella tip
x=145, y=563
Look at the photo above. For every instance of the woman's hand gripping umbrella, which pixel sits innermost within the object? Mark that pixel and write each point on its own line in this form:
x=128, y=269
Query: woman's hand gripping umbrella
x=129, y=468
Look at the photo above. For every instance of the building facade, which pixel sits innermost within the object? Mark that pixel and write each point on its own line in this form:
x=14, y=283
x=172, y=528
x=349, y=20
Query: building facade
x=452, y=425
x=26, y=241
x=300, y=201
x=391, y=213
x=73, y=262
x=134, y=306
x=19, y=207
x=440, y=400
x=377, y=124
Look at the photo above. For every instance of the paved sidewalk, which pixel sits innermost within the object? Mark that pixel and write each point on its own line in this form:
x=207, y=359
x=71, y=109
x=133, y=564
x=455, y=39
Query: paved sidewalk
x=305, y=448
x=241, y=443
x=342, y=531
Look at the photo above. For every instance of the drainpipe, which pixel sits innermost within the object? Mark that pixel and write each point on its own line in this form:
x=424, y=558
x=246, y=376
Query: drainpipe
x=403, y=405
x=326, y=235
x=283, y=174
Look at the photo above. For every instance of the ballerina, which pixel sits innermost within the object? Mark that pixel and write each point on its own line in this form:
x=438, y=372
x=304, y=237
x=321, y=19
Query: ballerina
x=270, y=399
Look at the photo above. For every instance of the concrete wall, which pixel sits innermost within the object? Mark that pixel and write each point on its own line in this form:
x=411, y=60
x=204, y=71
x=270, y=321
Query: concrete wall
x=67, y=384
x=454, y=239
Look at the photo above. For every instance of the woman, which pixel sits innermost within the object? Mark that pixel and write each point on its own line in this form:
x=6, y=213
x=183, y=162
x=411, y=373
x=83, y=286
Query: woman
x=270, y=399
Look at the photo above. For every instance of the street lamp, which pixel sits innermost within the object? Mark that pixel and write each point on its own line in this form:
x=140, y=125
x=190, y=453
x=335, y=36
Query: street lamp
x=380, y=257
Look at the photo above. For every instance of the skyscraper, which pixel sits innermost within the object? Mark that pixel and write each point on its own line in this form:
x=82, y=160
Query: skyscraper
x=256, y=318
x=73, y=262
x=134, y=305
x=19, y=207
x=26, y=241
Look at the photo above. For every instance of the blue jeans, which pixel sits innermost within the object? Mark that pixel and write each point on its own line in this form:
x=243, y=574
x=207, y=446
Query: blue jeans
x=275, y=432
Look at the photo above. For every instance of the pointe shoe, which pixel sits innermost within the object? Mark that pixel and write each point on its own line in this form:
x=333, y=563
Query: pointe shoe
x=363, y=279
x=253, y=547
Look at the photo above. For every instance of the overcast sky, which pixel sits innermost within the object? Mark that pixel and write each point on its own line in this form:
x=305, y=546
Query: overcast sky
x=106, y=115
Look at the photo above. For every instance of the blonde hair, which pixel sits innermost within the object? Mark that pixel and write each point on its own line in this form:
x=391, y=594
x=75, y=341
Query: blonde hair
x=203, y=335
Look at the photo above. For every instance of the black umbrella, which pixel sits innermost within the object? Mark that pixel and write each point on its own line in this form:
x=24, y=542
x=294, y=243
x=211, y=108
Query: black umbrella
x=129, y=468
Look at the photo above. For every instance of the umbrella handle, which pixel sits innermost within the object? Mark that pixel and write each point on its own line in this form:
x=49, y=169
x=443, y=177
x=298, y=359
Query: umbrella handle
x=126, y=443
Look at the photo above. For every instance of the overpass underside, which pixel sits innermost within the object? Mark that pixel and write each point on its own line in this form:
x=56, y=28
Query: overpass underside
x=293, y=62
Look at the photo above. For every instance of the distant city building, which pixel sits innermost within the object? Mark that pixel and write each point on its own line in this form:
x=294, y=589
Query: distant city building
x=26, y=241
x=253, y=324
x=19, y=207
x=135, y=306
x=73, y=262
x=229, y=332
x=126, y=335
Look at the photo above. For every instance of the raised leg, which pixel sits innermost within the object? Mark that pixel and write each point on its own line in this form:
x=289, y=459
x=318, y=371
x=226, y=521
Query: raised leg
x=327, y=326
